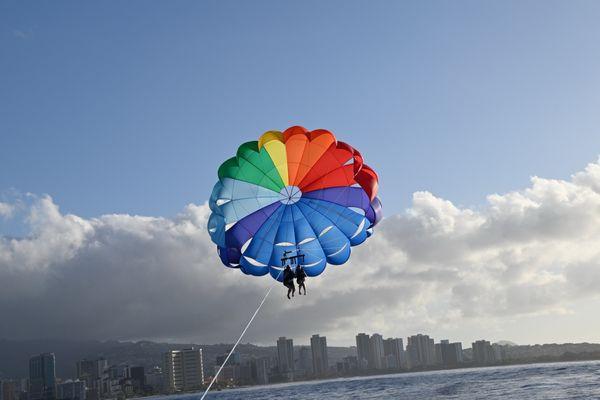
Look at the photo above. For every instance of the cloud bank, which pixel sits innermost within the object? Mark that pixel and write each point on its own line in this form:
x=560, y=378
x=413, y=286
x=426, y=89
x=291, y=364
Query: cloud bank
x=436, y=266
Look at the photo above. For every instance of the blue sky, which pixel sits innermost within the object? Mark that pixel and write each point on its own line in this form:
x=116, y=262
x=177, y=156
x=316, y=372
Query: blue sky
x=130, y=107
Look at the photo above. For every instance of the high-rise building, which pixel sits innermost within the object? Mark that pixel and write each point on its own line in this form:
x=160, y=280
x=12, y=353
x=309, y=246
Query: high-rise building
x=183, y=369
x=320, y=360
x=155, y=379
x=8, y=390
x=71, y=390
x=234, y=358
x=348, y=365
x=377, y=359
x=393, y=349
x=455, y=356
x=438, y=354
x=138, y=378
x=483, y=353
x=304, y=362
x=451, y=353
x=42, y=377
x=363, y=350
x=260, y=370
x=285, y=355
x=91, y=369
x=93, y=373
x=421, y=351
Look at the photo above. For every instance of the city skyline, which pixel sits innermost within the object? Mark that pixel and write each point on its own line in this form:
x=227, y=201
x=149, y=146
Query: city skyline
x=184, y=370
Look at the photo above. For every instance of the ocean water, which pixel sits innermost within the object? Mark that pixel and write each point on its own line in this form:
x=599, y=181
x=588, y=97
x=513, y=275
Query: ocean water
x=576, y=380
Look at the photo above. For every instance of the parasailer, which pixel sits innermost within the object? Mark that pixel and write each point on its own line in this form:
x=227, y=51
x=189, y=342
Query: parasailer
x=295, y=192
x=294, y=198
x=288, y=280
x=300, y=278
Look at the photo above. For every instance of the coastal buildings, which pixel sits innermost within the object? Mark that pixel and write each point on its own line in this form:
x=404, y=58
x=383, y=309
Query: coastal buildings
x=483, y=353
x=363, y=350
x=42, y=377
x=71, y=390
x=320, y=361
x=376, y=353
x=260, y=370
x=451, y=353
x=8, y=390
x=304, y=362
x=251, y=365
x=393, y=350
x=183, y=369
x=138, y=378
x=285, y=355
x=154, y=380
x=421, y=351
x=94, y=374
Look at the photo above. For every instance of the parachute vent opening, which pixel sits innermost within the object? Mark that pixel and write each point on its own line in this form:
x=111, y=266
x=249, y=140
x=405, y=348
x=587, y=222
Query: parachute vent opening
x=254, y=262
x=357, y=210
x=307, y=240
x=339, y=251
x=229, y=225
x=245, y=246
x=312, y=264
x=324, y=231
x=359, y=229
x=220, y=202
x=284, y=244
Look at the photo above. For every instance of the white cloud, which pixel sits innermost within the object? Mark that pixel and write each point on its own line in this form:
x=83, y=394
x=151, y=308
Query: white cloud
x=437, y=267
x=6, y=210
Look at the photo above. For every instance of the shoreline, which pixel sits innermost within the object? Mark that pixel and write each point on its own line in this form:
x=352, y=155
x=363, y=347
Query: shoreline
x=371, y=376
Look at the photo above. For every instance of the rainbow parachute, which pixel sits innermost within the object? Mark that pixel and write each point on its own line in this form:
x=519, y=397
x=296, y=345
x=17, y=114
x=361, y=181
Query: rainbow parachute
x=293, y=191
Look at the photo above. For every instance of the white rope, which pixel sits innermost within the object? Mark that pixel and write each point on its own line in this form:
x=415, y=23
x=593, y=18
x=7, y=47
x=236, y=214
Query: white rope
x=240, y=338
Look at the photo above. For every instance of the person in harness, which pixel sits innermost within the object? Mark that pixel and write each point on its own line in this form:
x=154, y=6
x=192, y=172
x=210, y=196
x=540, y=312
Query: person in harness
x=300, y=277
x=288, y=281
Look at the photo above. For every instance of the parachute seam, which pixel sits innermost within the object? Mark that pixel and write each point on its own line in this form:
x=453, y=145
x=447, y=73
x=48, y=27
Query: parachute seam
x=260, y=246
x=338, y=213
x=333, y=224
x=314, y=232
x=256, y=166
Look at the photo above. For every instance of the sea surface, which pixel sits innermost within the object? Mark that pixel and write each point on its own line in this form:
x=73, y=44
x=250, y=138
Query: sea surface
x=573, y=380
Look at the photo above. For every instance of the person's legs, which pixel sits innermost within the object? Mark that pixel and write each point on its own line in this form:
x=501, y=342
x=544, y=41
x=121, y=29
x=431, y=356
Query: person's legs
x=289, y=291
x=303, y=286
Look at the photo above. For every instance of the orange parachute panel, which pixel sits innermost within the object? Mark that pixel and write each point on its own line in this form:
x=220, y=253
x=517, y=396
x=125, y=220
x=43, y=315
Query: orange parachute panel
x=296, y=139
x=319, y=142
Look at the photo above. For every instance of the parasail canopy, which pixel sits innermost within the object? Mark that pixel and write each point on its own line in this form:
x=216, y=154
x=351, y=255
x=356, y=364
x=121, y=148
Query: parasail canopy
x=293, y=191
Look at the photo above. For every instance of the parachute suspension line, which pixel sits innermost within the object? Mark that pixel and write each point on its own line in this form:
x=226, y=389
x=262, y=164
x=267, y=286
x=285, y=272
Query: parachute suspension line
x=241, y=336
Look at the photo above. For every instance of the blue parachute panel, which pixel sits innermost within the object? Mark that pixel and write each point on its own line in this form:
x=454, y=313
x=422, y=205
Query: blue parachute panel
x=238, y=199
x=332, y=240
x=351, y=223
x=255, y=258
